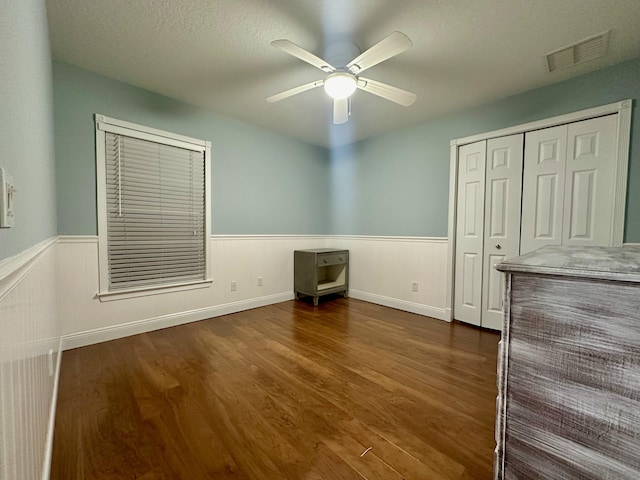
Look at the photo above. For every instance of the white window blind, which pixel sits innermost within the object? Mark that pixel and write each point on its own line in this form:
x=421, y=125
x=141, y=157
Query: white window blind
x=155, y=213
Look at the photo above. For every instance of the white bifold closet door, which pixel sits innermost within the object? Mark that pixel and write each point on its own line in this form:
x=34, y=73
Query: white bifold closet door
x=487, y=227
x=569, y=184
x=515, y=194
x=470, y=232
x=503, y=182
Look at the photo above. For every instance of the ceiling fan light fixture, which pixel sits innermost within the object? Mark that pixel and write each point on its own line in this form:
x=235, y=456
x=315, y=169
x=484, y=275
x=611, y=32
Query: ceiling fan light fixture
x=343, y=80
x=340, y=85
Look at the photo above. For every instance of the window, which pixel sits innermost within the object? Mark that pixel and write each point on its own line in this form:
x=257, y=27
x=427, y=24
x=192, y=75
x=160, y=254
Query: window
x=153, y=208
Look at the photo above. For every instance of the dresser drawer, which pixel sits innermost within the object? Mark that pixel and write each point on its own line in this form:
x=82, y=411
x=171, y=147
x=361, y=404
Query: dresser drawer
x=332, y=259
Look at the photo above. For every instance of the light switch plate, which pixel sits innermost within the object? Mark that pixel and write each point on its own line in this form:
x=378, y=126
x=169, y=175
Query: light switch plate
x=6, y=199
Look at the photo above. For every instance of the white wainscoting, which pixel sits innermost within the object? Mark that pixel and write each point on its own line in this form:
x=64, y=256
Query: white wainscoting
x=29, y=361
x=382, y=271
x=87, y=320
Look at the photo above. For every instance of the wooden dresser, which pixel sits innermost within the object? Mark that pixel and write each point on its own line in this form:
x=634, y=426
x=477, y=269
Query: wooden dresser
x=569, y=366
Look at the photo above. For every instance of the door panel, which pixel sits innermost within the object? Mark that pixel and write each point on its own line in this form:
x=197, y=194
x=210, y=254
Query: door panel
x=495, y=287
x=470, y=268
x=472, y=225
x=469, y=233
x=497, y=207
x=582, y=205
x=590, y=167
x=543, y=188
x=502, y=220
x=545, y=214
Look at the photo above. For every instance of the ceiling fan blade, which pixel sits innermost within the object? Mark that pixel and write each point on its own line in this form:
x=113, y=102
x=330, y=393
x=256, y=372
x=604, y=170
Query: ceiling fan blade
x=299, y=52
x=389, y=92
x=294, y=91
x=386, y=48
x=340, y=110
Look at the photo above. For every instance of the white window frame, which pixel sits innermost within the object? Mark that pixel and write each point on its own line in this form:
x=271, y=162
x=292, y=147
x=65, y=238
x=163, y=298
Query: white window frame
x=105, y=124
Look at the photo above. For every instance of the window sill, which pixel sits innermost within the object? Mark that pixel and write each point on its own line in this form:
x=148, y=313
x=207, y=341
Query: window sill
x=154, y=290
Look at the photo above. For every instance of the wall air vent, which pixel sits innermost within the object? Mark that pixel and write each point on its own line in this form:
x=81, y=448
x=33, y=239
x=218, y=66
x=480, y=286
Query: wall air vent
x=583, y=51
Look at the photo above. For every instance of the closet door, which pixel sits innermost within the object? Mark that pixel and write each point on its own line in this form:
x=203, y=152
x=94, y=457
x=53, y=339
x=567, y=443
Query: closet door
x=516, y=194
x=503, y=186
x=589, y=183
x=469, y=232
x=543, y=188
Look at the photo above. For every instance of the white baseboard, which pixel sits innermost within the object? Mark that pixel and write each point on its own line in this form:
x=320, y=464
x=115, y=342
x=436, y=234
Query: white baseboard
x=420, y=309
x=90, y=337
x=449, y=314
x=48, y=449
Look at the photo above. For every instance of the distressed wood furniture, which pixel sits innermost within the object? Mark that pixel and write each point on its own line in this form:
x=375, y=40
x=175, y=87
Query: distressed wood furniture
x=320, y=271
x=569, y=365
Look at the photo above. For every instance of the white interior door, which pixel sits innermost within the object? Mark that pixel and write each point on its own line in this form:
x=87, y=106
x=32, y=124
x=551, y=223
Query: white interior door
x=543, y=188
x=469, y=232
x=589, y=182
x=503, y=193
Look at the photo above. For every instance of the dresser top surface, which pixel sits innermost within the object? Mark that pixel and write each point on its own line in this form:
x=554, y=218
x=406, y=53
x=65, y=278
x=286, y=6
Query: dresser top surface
x=323, y=250
x=607, y=263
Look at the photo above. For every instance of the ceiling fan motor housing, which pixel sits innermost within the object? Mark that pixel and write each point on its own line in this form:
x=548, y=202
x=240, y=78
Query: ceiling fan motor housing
x=339, y=54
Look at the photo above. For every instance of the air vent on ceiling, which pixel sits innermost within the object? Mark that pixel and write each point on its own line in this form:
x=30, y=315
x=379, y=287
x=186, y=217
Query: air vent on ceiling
x=583, y=51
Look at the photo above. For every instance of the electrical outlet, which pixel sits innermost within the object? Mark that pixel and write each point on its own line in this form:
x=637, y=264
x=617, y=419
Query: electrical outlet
x=234, y=285
x=259, y=281
x=414, y=286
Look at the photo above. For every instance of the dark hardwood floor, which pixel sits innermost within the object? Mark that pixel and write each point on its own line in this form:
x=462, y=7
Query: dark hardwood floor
x=287, y=391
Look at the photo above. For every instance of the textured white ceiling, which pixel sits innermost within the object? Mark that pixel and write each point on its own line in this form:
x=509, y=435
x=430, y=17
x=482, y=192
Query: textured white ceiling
x=217, y=53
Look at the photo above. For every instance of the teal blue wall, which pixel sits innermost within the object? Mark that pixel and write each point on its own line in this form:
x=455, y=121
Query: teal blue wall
x=262, y=182
x=394, y=184
x=398, y=184
x=26, y=123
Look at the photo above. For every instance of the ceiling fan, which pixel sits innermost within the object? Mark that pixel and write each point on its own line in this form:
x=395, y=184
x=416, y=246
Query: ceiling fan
x=342, y=81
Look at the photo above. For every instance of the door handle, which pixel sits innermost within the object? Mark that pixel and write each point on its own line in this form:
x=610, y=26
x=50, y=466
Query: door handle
x=498, y=247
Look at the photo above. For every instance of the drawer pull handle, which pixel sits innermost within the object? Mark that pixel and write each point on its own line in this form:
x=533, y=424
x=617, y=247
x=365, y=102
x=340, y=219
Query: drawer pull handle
x=324, y=260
